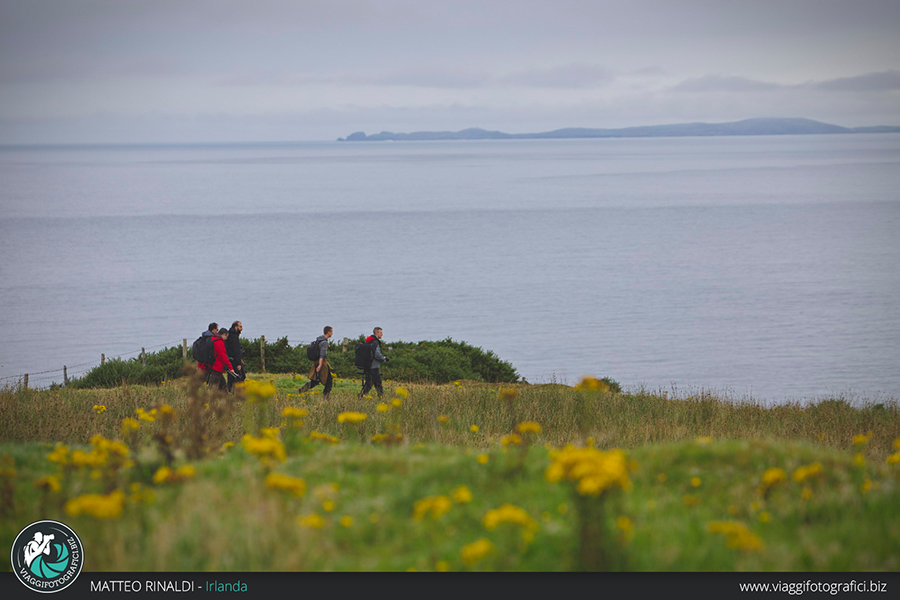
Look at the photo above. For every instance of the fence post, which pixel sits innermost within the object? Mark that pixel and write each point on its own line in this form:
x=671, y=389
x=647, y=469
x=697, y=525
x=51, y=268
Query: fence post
x=262, y=352
x=344, y=344
x=102, y=359
x=143, y=358
x=184, y=348
x=26, y=381
x=65, y=376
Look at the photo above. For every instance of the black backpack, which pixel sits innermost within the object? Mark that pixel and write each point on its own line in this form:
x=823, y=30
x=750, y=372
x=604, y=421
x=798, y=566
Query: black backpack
x=312, y=351
x=203, y=350
x=364, y=355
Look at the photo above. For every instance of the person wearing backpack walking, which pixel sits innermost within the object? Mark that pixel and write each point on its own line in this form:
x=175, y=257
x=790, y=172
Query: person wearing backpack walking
x=203, y=349
x=320, y=371
x=235, y=353
x=216, y=375
x=373, y=371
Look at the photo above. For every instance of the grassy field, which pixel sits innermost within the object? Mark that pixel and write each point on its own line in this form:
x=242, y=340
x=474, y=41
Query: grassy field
x=458, y=477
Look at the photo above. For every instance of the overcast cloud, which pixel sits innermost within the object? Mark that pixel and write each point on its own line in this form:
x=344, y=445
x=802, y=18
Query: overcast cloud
x=82, y=71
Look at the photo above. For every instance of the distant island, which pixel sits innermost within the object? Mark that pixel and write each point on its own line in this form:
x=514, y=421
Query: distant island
x=745, y=127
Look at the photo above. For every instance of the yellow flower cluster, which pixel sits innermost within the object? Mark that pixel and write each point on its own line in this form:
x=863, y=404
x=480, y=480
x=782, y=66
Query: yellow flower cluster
x=97, y=505
x=294, y=412
x=508, y=394
x=737, y=535
x=312, y=520
x=476, y=551
x=528, y=427
x=773, y=476
x=402, y=392
x=99, y=408
x=49, y=483
x=60, y=454
x=292, y=485
x=592, y=384
x=167, y=475
x=324, y=437
x=143, y=415
x=383, y=407
x=805, y=472
x=595, y=471
x=434, y=506
x=266, y=447
x=893, y=459
x=515, y=515
x=129, y=425
x=511, y=439
x=351, y=417
x=473, y=428
x=104, y=452
x=862, y=439
x=256, y=391
x=387, y=438
x=461, y=495
x=443, y=419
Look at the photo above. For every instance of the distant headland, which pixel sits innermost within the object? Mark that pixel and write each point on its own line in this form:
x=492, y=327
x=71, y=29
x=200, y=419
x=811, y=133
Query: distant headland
x=765, y=126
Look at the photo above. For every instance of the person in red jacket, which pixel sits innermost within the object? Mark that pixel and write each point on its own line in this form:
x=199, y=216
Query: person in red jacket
x=217, y=370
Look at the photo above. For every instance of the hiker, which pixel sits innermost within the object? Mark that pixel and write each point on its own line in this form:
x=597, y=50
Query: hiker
x=235, y=353
x=206, y=367
x=216, y=375
x=373, y=371
x=320, y=368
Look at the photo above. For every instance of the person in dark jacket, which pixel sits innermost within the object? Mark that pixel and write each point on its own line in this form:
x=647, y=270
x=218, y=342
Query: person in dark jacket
x=217, y=370
x=213, y=330
x=235, y=354
x=373, y=372
x=320, y=371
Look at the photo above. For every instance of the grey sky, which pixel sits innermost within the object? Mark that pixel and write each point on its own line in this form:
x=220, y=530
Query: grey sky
x=227, y=70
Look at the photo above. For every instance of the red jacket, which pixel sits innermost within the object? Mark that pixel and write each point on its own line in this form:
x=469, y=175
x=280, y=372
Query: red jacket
x=222, y=363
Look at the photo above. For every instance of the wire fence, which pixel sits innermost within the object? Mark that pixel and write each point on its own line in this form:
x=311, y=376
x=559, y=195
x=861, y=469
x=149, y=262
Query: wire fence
x=44, y=379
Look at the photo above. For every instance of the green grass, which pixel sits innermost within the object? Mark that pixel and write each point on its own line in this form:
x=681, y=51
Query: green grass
x=224, y=518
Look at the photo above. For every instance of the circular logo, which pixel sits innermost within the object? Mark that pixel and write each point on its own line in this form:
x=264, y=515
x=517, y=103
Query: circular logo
x=47, y=556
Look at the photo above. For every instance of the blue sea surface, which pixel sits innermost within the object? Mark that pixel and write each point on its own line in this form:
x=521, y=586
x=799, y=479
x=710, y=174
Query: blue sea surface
x=760, y=268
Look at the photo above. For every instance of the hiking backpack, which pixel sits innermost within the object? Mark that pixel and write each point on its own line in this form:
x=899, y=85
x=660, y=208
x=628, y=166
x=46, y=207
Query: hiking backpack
x=364, y=355
x=312, y=351
x=203, y=350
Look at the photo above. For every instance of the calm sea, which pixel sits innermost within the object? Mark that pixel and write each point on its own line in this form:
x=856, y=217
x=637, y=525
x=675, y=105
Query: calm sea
x=756, y=267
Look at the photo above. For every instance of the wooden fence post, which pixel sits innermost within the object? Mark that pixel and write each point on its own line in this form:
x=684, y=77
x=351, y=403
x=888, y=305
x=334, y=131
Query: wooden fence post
x=102, y=359
x=344, y=344
x=26, y=381
x=143, y=358
x=184, y=348
x=65, y=376
x=262, y=352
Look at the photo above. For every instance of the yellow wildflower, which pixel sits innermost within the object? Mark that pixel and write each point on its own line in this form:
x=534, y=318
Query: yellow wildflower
x=291, y=411
x=765, y=517
x=703, y=440
x=97, y=505
x=143, y=415
x=256, y=391
x=60, y=454
x=461, y=495
x=351, y=417
x=737, y=535
x=396, y=403
x=286, y=483
x=508, y=394
x=162, y=474
x=99, y=408
x=510, y=513
x=382, y=407
x=346, y=521
x=805, y=472
x=443, y=419
x=625, y=524
x=696, y=482
x=434, y=506
x=473, y=428
x=897, y=444
x=323, y=436
x=893, y=459
x=328, y=505
x=129, y=425
x=528, y=427
x=482, y=459
x=859, y=459
x=476, y=551
x=48, y=483
x=511, y=439
x=442, y=566
x=264, y=447
x=773, y=476
x=592, y=384
x=312, y=520
x=860, y=440
x=594, y=471
x=402, y=392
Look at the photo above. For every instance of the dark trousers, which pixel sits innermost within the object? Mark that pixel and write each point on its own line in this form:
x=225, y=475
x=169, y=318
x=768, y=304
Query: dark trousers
x=329, y=381
x=233, y=380
x=216, y=379
x=373, y=378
